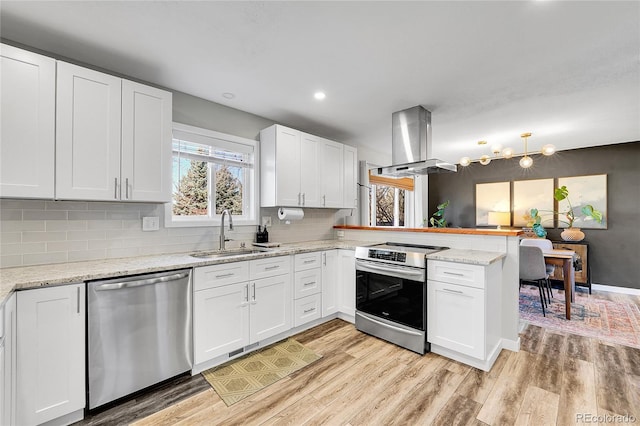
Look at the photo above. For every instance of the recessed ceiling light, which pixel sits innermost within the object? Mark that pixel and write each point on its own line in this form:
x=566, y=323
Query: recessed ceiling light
x=228, y=95
x=319, y=95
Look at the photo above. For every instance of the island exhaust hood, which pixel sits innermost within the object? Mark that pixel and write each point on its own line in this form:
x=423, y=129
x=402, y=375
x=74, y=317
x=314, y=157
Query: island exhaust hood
x=409, y=141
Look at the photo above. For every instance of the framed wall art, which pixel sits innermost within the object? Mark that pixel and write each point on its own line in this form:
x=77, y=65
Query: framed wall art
x=491, y=197
x=529, y=194
x=584, y=190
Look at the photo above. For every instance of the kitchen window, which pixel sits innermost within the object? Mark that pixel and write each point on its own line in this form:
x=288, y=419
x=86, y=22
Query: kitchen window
x=212, y=172
x=389, y=200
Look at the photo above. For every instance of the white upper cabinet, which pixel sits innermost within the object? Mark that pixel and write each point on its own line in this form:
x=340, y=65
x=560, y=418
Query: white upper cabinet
x=27, y=139
x=113, y=138
x=331, y=174
x=87, y=134
x=146, y=143
x=300, y=170
x=350, y=159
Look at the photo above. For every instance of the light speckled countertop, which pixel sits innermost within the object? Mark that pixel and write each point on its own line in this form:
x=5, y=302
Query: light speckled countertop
x=473, y=257
x=27, y=277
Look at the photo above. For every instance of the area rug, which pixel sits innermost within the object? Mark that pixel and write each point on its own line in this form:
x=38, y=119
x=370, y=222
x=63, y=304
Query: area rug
x=242, y=377
x=606, y=320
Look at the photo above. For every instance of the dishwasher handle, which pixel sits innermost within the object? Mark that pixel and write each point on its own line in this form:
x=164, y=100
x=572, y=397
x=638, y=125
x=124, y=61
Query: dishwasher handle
x=140, y=283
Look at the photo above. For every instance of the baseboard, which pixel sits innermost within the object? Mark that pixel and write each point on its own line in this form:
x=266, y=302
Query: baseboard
x=614, y=289
x=511, y=345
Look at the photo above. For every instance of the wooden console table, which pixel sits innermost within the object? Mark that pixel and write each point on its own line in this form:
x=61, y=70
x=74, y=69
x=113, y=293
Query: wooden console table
x=583, y=267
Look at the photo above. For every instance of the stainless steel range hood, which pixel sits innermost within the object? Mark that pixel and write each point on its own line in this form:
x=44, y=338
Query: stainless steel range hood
x=409, y=142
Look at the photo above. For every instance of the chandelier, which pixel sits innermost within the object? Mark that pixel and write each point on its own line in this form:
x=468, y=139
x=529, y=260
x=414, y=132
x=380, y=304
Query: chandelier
x=498, y=152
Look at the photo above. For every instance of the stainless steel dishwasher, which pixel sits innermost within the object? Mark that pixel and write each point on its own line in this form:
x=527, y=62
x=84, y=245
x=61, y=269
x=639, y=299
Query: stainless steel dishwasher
x=139, y=333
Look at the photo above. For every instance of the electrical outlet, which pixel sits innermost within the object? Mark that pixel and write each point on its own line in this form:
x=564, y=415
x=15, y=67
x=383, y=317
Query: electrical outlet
x=150, y=223
x=266, y=220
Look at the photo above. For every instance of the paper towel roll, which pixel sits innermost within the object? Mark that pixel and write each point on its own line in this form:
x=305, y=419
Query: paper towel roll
x=290, y=214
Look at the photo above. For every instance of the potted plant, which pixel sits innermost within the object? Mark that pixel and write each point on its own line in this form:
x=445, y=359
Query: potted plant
x=437, y=220
x=570, y=233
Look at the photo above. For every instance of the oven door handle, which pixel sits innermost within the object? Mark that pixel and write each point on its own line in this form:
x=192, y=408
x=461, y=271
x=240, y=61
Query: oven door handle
x=391, y=270
x=393, y=327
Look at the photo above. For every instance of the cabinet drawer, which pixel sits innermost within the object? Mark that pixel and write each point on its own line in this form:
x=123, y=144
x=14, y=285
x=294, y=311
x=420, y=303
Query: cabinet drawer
x=456, y=273
x=307, y=282
x=269, y=267
x=307, y=309
x=217, y=275
x=308, y=260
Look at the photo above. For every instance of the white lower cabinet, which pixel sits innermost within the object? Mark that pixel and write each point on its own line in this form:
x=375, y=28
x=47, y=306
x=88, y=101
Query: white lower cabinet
x=307, y=309
x=8, y=364
x=330, y=282
x=233, y=310
x=347, y=284
x=463, y=311
x=51, y=353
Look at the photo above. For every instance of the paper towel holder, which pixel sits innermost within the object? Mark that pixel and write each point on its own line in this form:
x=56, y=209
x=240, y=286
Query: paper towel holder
x=289, y=214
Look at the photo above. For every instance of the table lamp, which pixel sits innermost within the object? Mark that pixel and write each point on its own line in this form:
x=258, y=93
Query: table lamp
x=499, y=219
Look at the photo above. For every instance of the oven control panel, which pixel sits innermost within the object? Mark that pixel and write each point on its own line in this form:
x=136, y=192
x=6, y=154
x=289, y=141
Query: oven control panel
x=389, y=255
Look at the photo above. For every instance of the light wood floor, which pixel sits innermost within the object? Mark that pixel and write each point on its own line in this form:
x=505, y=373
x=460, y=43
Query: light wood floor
x=361, y=380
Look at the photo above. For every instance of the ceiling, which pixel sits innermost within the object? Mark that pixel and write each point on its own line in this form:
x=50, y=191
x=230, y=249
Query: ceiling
x=567, y=71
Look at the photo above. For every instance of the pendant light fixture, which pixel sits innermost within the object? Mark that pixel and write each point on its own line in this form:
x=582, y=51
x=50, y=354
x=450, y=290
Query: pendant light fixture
x=498, y=152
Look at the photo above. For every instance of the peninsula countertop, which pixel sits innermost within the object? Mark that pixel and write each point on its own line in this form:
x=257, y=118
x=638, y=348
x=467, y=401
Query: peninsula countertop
x=463, y=231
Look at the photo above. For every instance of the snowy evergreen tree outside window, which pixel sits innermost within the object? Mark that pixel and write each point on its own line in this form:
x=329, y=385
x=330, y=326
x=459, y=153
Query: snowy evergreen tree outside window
x=209, y=176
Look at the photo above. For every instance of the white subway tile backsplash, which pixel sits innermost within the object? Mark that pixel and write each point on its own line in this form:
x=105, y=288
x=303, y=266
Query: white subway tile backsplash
x=44, y=215
x=44, y=258
x=39, y=232
x=35, y=236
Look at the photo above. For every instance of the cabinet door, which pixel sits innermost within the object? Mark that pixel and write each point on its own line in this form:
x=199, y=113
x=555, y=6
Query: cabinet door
x=87, y=134
x=51, y=350
x=27, y=126
x=331, y=174
x=310, y=147
x=455, y=318
x=330, y=282
x=350, y=161
x=287, y=167
x=146, y=143
x=270, y=301
x=220, y=321
x=9, y=383
x=347, y=282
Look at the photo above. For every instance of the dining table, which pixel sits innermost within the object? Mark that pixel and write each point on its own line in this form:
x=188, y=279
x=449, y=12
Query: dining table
x=564, y=258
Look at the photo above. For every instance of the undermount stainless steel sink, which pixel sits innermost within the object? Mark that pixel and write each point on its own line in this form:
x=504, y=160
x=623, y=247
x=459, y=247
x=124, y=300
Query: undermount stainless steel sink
x=227, y=253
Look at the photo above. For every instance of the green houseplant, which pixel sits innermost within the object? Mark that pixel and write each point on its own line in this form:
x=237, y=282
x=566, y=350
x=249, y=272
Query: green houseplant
x=437, y=219
x=568, y=217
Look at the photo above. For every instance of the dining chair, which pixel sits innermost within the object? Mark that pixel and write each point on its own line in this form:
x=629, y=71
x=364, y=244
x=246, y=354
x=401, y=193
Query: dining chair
x=532, y=269
x=545, y=245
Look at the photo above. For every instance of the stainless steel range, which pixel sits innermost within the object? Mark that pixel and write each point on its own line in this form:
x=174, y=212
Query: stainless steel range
x=391, y=293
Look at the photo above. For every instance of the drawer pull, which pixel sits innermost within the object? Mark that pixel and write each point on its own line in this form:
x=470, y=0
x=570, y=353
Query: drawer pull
x=453, y=291
x=453, y=273
x=230, y=274
x=306, y=262
x=309, y=283
x=271, y=268
x=306, y=311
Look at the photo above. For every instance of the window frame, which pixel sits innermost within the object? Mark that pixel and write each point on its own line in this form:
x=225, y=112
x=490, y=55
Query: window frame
x=251, y=188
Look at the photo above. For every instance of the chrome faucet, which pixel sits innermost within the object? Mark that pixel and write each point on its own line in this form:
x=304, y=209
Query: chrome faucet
x=222, y=238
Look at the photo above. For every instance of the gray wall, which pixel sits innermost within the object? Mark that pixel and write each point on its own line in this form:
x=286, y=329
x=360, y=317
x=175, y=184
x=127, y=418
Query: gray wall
x=613, y=251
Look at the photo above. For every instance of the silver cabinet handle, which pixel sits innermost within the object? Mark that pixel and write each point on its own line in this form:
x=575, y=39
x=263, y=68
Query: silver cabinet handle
x=149, y=281
x=126, y=188
x=253, y=287
x=246, y=293
x=306, y=311
x=324, y=259
x=306, y=262
x=453, y=273
x=271, y=268
x=324, y=200
x=309, y=283
x=115, y=188
x=230, y=274
x=303, y=198
x=453, y=291
x=299, y=198
x=78, y=296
